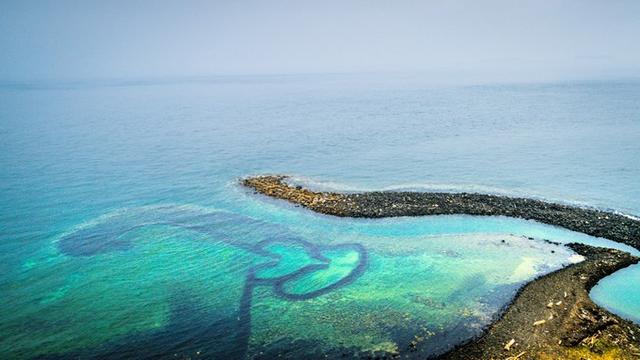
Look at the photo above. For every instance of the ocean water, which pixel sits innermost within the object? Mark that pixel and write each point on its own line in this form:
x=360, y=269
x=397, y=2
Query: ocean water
x=123, y=230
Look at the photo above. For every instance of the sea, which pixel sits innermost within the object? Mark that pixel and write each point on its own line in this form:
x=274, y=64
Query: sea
x=124, y=231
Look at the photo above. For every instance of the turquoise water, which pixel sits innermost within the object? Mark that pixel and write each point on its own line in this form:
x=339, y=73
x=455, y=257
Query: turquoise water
x=123, y=230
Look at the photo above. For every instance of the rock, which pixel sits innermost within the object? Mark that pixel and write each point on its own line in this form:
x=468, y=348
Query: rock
x=509, y=344
x=580, y=319
x=593, y=222
x=517, y=356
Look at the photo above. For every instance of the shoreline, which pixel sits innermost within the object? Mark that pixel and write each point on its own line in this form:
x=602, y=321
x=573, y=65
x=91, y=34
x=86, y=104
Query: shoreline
x=379, y=204
x=553, y=317
x=568, y=324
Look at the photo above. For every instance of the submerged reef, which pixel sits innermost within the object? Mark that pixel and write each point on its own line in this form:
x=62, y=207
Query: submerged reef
x=551, y=317
x=281, y=265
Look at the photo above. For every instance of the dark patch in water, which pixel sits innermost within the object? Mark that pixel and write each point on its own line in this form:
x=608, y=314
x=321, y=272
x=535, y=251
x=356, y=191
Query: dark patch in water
x=499, y=294
x=106, y=236
x=472, y=284
x=94, y=240
x=218, y=336
x=451, y=253
x=191, y=332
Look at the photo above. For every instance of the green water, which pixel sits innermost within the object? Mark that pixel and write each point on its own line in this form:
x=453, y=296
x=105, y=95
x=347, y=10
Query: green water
x=124, y=234
x=241, y=287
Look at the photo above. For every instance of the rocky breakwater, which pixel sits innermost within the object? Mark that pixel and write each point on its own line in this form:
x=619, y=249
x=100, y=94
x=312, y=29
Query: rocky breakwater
x=322, y=202
x=379, y=204
x=551, y=317
x=554, y=318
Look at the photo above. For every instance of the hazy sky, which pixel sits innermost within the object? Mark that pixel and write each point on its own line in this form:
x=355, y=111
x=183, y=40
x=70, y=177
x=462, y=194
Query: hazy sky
x=539, y=39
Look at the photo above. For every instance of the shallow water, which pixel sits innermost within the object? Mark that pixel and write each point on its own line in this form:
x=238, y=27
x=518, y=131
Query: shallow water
x=123, y=228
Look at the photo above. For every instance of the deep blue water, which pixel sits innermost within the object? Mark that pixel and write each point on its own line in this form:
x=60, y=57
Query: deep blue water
x=135, y=173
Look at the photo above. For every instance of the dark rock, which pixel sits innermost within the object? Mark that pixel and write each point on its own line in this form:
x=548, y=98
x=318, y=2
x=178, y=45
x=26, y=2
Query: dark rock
x=566, y=330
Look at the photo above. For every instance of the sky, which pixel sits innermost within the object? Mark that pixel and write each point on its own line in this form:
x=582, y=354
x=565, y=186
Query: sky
x=491, y=39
